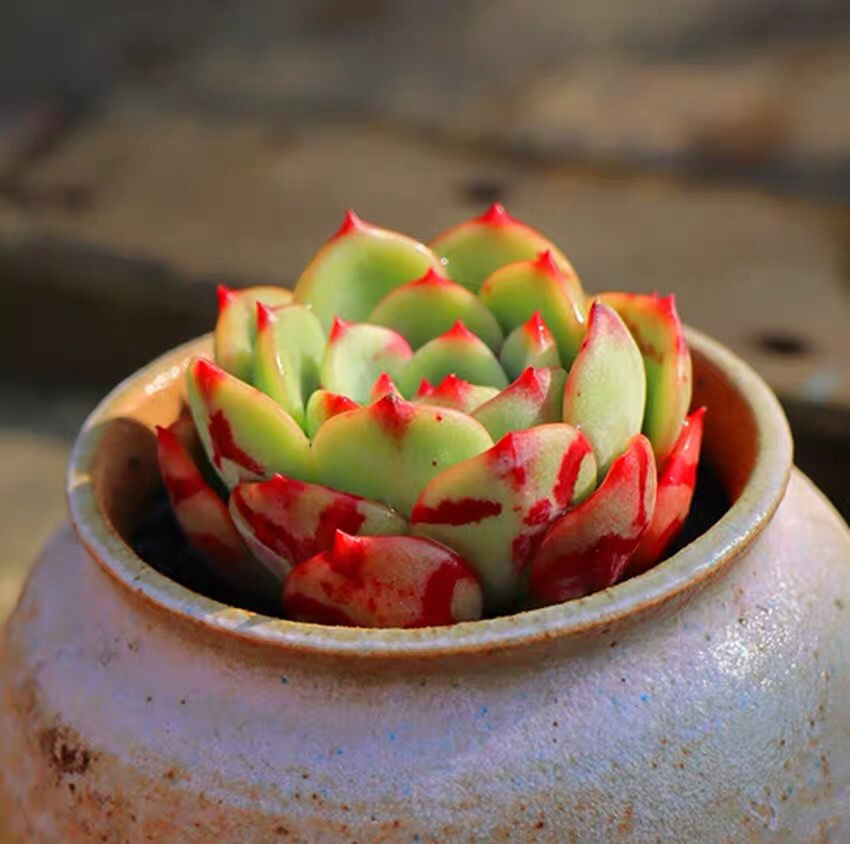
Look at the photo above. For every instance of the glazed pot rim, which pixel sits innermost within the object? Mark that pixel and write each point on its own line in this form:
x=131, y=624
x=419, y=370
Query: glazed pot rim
x=709, y=553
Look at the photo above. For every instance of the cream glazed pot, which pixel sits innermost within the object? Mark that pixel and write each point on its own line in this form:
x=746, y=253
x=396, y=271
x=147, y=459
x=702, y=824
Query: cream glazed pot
x=706, y=700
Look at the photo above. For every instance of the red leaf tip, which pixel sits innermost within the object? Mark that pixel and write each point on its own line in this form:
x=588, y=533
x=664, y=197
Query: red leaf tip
x=265, y=316
x=350, y=223
x=225, y=296
x=338, y=328
x=546, y=262
x=459, y=332
x=536, y=329
x=495, y=215
x=207, y=375
x=431, y=278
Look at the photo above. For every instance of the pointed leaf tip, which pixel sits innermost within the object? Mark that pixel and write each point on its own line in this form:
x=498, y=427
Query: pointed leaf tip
x=265, y=316
x=495, y=215
x=225, y=296
x=546, y=262
x=350, y=223
x=431, y=278
x=460, y=331
x=207, y=375
x=338, y=328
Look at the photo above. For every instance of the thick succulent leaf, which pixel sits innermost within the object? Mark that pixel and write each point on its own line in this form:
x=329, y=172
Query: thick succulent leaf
x=657, y=329
x=383, y=581
x=676, y=483
x=454, y=392
x=357, y=267
x=529, y=344
x=457, y=352
x=606, y=386
x=478, y=247
x=322, y=405
x=429, y=306
x=533, y=399
x=284, y=521
x=389, y=450
x=287, y=356
x=587, y=548
x=514, y=293
x=357, y=354
x=203, y=517
x=247, y=435
x=236, y=326
x=493, y=508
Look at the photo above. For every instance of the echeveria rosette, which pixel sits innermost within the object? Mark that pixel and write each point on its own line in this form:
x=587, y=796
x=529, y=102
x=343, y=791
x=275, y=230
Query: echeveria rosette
x=421, y=435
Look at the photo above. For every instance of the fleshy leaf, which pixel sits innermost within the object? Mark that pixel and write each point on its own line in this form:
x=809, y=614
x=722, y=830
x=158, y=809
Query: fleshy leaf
x=588, y=548
x=454, y=392
x=287, y=356
x=676, y=483
x=606, y=386
x=657, y=329
x=533, y=399
x=493, y=508
x=357, y=267
x=203, y=517
x=284, y=521
x=357, y=354
x=247, y=435
x=529, y=344
x=324, y=404
x=236, y=326
x=427, y=307
x=479, y=246
x=457, y=352
x=389, y=450
x=383, y=581
x=514, y=293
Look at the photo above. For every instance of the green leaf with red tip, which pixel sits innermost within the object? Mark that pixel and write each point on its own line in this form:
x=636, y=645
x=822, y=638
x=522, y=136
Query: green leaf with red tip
x=322, y=405
x=204, y=520
x=657, y=329
x=287, y=356
x=476, y=248
x=427, y=307
x=529, y=344
x=533, y=399
x=514, y=293
x=588, y=548
x=284, y=521
x=383, y=581
x=357, y=354
x=493, y=508
x=676, y=482
x=357, y=267
x=454, y=392
x=389, y=450
x=236, y=326
x=246, y=434
x=606, y=386
x=457, y=352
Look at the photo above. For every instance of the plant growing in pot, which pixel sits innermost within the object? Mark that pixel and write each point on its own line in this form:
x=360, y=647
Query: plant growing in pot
x=430, y=496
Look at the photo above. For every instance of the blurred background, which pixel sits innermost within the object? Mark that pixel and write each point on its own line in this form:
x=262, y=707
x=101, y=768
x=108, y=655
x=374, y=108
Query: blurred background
x=150, y=150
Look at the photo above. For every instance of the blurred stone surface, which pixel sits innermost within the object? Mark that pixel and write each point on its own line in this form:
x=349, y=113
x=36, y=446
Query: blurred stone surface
x=758, y=87
x=178, y=202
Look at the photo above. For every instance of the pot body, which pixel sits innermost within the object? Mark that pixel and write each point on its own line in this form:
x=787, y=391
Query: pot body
x=723, y=716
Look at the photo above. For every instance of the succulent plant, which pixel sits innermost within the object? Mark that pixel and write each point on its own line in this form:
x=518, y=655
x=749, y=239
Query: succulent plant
x=421, y=435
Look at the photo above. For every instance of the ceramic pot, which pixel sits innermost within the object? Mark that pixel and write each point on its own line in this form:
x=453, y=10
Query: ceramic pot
x=706, y=700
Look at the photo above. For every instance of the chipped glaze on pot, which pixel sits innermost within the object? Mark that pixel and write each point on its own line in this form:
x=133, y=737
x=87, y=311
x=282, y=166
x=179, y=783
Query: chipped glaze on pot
x=706, y=700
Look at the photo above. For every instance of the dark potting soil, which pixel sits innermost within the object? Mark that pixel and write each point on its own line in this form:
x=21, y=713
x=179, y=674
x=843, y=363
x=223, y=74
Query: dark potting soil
x=159, y=541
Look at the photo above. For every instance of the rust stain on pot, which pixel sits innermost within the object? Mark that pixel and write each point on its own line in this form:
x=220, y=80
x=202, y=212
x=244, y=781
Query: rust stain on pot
x=64, y=751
